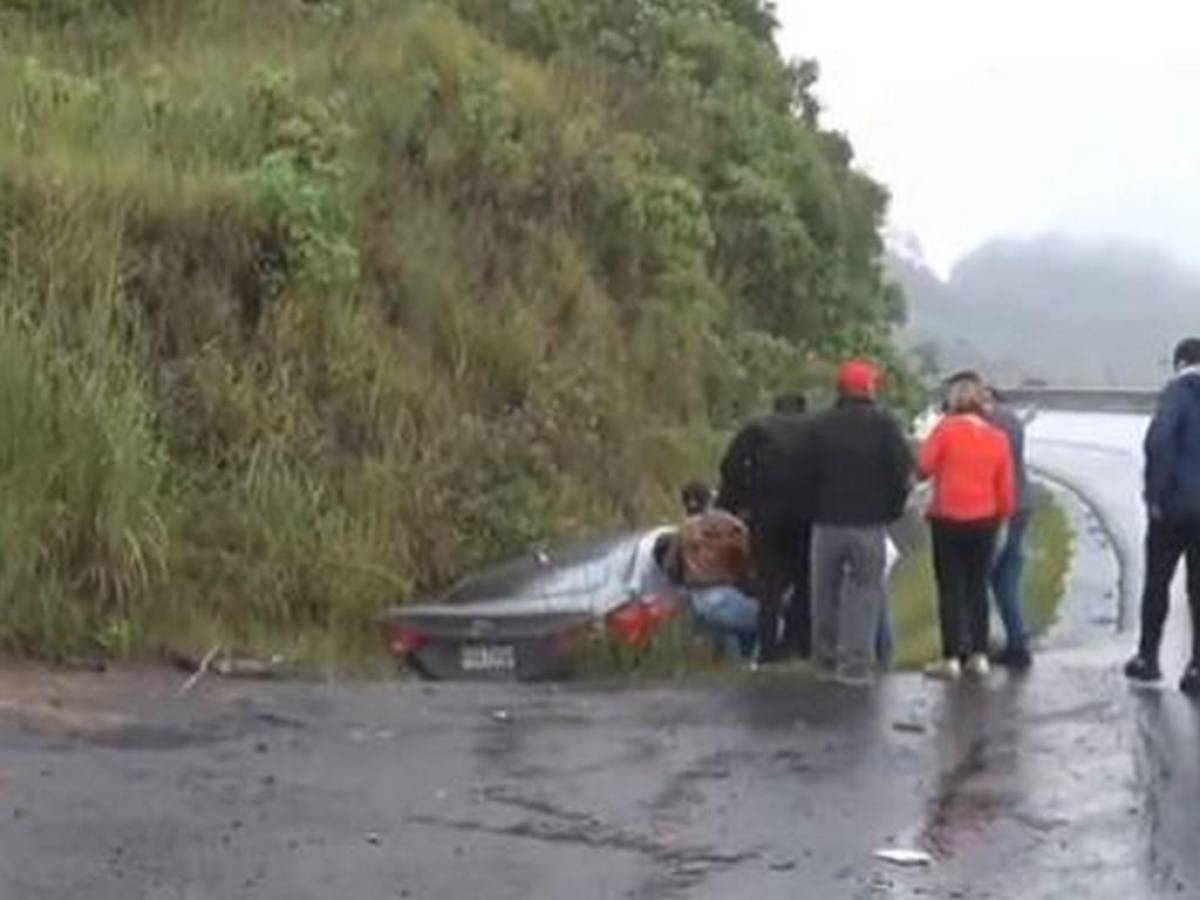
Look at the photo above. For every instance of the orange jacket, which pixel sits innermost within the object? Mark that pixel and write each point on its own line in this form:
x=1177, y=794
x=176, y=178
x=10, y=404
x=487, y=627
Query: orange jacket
x=971, y=466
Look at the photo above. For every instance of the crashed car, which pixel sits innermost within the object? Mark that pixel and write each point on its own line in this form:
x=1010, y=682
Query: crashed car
x=524, y=619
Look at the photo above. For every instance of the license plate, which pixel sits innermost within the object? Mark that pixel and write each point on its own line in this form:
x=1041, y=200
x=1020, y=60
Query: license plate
x=489, y=658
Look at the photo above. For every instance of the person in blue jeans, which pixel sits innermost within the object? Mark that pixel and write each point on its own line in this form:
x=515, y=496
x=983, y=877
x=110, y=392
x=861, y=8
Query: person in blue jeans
x=709, y=557
x=730, y=615
x=1009, y=565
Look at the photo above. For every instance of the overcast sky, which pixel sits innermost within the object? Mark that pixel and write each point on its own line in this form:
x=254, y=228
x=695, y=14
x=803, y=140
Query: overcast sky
x=989, y=118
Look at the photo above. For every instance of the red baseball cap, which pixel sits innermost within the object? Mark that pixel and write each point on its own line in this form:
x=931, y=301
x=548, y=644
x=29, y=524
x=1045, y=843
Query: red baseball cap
x=857, y=377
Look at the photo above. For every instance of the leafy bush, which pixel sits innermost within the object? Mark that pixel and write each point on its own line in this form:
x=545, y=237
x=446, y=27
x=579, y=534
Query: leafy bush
x=309, y=306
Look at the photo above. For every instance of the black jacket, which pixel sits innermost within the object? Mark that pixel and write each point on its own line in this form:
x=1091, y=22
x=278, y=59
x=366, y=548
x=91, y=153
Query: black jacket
x=764, y=472
x=1173, y=450
x=860, y=464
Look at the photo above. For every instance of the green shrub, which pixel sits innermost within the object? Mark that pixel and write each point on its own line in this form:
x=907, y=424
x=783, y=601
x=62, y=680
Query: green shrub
x=310, y=306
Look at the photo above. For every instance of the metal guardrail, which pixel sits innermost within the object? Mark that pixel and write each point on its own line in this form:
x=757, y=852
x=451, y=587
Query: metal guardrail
x=1101, y=400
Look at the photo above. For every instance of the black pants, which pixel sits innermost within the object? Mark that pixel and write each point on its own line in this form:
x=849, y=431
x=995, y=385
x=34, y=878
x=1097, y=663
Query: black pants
x=1166, y=542
x=962, y=559
x=781, y=558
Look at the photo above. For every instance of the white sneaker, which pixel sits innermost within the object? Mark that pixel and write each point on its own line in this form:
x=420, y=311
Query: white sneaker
x=944, y=670
x=978, y=665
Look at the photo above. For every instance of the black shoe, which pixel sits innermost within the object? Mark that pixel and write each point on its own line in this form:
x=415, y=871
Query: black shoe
x=1017, y=660
x=1190, y=682
x=1141, y=669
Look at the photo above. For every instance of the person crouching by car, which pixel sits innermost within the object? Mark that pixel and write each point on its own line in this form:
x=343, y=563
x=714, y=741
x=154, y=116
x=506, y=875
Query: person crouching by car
x=710, y=558
x=861, y=469
x=974, y=494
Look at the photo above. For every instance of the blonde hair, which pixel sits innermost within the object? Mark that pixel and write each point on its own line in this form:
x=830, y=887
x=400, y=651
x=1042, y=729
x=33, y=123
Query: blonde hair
x=967, y=396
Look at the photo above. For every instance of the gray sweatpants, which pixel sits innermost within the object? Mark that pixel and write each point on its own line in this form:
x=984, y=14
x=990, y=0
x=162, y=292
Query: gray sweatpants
x=848, y=567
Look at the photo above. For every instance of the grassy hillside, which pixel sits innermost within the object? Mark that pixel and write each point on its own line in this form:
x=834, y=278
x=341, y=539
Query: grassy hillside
x=307, y=306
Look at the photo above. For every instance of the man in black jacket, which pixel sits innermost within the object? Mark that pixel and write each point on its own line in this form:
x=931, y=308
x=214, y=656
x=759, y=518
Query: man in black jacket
x=1172, y=494
x=763, y=480
x=861, y=468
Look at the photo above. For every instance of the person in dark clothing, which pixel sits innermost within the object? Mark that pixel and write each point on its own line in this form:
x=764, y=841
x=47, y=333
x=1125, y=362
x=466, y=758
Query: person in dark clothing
x=861, y=471
x=763, y=481
x=1172, y=495
x=1009, y=565
x=697, y=497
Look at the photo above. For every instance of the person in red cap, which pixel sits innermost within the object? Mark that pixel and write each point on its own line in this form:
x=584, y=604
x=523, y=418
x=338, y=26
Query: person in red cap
x=861, y=470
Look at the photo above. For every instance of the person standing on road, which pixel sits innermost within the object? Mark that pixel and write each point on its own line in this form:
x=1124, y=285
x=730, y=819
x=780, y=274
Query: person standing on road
x=974, y=494
x=1172, y=494
x=763, y=481
x=861, y=469
x=1009, y=565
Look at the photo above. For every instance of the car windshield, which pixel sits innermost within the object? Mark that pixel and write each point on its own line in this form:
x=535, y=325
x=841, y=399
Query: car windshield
x=584, y=567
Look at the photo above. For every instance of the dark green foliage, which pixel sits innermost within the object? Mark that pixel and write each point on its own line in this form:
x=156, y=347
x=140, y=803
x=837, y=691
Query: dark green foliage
x=320, y=303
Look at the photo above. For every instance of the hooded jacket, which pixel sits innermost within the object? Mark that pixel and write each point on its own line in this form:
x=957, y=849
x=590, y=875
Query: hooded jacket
x=1172, y=448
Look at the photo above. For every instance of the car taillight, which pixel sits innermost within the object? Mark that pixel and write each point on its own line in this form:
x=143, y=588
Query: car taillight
x=405, y=640
x=634, y=622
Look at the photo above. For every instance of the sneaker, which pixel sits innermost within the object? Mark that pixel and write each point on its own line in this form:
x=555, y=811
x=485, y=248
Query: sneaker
x=978, y=666
x=1141, y=669
x=944, y=670
x=854, y=677
x=1190, y=682
x=1017, y=660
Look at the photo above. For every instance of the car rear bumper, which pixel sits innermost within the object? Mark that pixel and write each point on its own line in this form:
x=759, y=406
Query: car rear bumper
x=461, y=646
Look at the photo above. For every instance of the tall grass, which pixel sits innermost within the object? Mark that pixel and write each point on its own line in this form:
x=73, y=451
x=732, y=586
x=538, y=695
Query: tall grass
x=1048, y=543
x=307, y=307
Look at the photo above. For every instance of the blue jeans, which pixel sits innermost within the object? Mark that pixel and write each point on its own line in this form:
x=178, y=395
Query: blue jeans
x=885, y=646
x=730, y=615
x=1006, y=582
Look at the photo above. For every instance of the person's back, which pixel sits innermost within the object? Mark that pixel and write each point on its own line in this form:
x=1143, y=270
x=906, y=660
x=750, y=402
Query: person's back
x=971, y=464
x=859, y=463
x=1172, y=495
x=761, y=475
x=714, y=549
x=781, y=491
x=1172, y=450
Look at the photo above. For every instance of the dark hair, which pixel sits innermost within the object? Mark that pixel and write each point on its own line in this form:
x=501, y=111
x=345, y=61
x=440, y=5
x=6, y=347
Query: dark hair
x=1187, y=352
x=963, y=375
x=696, y=497
x=794, y=404
x=970, y=376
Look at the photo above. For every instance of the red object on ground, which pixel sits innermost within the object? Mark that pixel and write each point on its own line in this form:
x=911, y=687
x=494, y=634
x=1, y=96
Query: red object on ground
x=634, y=623
x=404, y=641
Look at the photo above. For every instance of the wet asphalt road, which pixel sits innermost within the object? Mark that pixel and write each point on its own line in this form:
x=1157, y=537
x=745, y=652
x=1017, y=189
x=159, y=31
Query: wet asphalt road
x=1063, y=783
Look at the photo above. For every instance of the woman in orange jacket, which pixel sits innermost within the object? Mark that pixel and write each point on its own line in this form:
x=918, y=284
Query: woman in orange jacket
x=974, y=494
